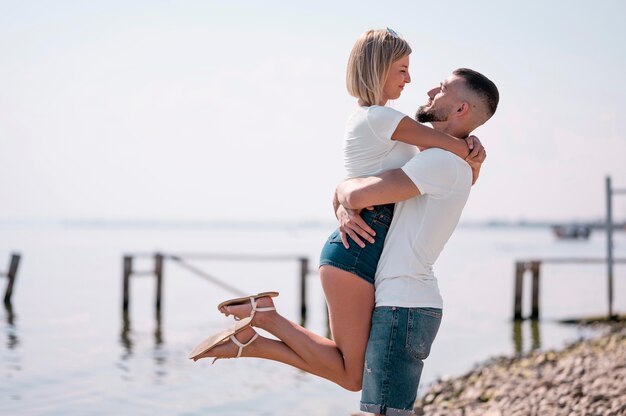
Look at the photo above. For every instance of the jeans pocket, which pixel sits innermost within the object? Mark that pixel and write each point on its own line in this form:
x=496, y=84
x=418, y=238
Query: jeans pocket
x=422, y=327
x=379, y=218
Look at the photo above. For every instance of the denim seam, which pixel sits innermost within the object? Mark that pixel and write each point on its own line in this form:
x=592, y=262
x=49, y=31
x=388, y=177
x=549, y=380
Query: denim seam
x=348, y=269
x=398, y=412
x=358, y=256
x=371, y=408
x=338, y=265
x=409, y=325
x=429, y=313
x=380, y=223
x=394, y=330
x=382, y=220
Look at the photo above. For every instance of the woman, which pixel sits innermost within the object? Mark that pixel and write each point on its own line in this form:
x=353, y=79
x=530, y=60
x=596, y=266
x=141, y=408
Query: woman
x=377, y=138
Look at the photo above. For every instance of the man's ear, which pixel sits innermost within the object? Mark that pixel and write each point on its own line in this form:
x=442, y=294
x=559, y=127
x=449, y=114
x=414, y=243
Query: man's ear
x=462, y=109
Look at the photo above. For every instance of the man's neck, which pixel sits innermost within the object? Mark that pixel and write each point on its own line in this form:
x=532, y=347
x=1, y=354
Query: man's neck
x=450, y=128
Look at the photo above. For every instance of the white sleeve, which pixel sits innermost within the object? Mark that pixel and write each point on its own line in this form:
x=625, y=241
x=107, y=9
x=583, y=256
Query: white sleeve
x=433, y=171
x=383, y=121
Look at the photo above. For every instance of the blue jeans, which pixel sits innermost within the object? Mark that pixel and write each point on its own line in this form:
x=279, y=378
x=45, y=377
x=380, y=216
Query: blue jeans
x=356, y=260
x=400, y=340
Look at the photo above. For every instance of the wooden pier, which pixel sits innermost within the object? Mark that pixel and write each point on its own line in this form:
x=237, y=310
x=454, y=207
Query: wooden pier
x=181, y=260
x=11, y=275
x=534, y=268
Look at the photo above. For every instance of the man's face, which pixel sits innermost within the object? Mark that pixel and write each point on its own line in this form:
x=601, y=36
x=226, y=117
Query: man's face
x=442, y=101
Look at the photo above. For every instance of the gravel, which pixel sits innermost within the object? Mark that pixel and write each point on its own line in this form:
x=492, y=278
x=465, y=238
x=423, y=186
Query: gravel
x=586, y=378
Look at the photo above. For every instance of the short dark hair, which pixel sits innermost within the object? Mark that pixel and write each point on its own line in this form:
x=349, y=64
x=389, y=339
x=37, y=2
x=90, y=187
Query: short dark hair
x=481, y=85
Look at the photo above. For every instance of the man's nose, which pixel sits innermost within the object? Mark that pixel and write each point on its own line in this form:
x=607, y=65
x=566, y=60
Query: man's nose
x=432, y=93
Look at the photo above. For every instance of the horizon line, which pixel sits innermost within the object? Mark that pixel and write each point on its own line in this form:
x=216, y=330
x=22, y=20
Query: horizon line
x=268, y=223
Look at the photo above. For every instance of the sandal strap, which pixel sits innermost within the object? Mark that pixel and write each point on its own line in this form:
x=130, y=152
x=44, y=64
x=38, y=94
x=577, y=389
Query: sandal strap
x=266, y=309
x=241, y=345
x=255, y=309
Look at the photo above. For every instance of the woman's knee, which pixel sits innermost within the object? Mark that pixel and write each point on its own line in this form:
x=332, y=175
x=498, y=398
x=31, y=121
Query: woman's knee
x=353, y=383
x=353, y=378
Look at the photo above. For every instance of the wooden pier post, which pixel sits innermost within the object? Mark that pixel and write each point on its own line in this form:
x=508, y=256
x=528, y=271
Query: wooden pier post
x=535, y=268
x=128, y=269
x=609, y=243
x=11, y=276
x=520, y=267
x=304, y=270
x=158, y=271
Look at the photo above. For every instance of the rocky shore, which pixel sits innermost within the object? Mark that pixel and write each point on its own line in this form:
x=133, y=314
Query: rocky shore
x=586, y=378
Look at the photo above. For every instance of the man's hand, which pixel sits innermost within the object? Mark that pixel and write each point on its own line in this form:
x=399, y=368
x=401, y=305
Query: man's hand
x=351, y=224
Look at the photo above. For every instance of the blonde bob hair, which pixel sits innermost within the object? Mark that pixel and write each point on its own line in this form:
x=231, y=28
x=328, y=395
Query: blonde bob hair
x=370, y=61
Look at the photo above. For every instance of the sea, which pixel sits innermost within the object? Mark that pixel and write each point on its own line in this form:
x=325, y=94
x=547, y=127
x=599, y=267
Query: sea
x=66, y=348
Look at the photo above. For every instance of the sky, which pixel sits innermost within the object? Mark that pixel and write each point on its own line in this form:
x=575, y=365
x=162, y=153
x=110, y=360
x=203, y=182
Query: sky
x=235, y=111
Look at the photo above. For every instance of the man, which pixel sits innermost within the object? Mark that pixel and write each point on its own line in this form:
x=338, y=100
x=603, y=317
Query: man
x=430, y=191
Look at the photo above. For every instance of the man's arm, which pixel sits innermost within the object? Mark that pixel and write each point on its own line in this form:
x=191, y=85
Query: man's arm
x=388, y=187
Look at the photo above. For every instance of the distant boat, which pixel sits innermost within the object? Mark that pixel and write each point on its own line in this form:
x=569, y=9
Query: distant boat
x=572, y=231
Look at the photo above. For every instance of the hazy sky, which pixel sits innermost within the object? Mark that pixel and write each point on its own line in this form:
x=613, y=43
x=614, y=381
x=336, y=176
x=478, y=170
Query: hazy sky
x=209, y=110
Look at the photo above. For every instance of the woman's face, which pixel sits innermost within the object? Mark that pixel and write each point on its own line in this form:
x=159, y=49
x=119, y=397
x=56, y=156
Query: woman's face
x=398, y=76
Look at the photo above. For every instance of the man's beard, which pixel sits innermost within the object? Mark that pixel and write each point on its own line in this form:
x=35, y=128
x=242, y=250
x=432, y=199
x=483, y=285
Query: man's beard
x=428, y=115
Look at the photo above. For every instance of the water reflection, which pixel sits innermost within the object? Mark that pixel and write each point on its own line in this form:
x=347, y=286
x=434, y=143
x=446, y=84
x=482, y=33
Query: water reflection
x=12, y=338
x=518, y=337
x=125, y=339
x=126, y=334
x=128, y=345
x=158, y=333
x=11, y=357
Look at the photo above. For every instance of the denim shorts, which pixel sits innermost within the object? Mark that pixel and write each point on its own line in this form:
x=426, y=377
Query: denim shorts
x=356, y=260
x=400, y=340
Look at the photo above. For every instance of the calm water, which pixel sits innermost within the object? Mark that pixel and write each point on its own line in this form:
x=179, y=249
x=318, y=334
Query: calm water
x=65, y=350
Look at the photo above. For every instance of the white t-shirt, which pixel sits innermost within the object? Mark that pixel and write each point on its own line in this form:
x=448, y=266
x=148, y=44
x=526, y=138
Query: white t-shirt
x=420, y=228
x=368, y=147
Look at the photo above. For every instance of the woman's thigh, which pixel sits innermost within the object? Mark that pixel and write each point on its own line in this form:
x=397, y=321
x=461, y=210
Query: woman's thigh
x=350, y=302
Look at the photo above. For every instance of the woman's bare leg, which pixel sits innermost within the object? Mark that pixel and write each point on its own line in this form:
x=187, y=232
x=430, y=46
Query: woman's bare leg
x=262, y=347
x=350, y=303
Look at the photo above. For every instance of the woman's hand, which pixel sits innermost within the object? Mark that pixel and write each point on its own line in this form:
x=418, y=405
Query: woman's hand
x=476, y=157
x=351, y=224
x=477, y=151
x=475, y=170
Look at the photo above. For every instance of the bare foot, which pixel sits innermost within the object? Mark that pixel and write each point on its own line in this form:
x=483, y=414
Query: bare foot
x=228, y=349
x=243, y=310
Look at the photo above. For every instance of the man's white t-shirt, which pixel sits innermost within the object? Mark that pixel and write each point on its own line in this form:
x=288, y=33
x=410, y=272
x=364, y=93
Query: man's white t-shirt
x=420, y=228
x=368, y=147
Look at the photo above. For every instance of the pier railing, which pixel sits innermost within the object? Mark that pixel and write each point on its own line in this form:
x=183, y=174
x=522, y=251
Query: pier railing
x=181, y=260
x=534, y=267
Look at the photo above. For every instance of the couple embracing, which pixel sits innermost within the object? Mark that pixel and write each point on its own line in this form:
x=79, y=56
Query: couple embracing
x=396, y=211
